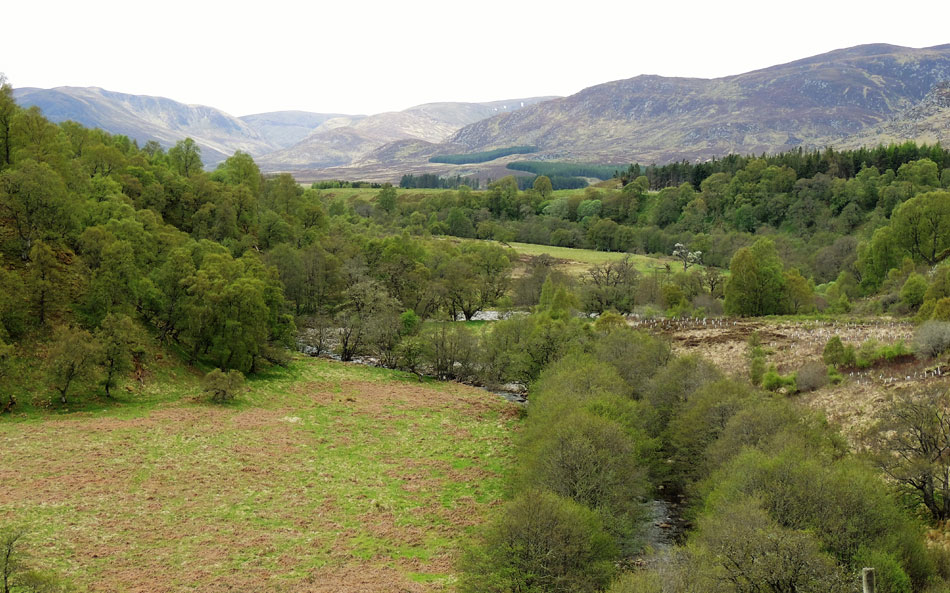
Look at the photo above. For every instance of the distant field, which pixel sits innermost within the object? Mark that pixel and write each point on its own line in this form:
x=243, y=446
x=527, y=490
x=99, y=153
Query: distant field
x=578, y=261
x=324, y=477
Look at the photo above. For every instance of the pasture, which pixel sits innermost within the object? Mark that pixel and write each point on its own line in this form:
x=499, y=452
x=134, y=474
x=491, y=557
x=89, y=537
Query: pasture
x=320, y=477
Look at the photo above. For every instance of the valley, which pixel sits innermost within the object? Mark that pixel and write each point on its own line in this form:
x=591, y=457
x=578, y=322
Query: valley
x=483, y=347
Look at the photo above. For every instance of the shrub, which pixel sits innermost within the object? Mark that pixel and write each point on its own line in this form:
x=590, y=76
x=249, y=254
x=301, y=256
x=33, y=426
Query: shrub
x=541, y=542
x=707, y=305
x=635, y=355
x=72, y=359
x=932, y=339
x=17, y=573
x=833, y=353
x=745, y=545
x=223, y=386
x=409, y=323
x=912, y=293
x=837, y=354
x=410, y=353
x=773, y=381
x=941, y=310
x=675, y=383
x=889, y=575
x=834, y=376
x=591, y=460
x=451, y=351
x=811, y=376
x=872, y=352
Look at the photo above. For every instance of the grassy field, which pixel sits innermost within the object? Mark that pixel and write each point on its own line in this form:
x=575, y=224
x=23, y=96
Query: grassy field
x=321, y=477
x=578, y=261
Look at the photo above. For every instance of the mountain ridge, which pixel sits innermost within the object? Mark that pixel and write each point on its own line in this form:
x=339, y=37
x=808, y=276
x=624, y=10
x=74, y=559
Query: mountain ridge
x=808, y=102
x=863, y=94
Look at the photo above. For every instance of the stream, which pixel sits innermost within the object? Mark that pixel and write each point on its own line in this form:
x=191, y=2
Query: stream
x=665, y=529
x=513, y=392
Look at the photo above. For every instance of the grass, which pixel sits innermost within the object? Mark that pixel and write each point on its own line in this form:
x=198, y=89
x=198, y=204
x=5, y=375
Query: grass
x=320, y=477
x=577, y=261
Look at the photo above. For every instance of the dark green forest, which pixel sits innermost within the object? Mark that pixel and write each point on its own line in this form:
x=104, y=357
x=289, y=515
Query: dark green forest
x=482, y=157
x=560, y=169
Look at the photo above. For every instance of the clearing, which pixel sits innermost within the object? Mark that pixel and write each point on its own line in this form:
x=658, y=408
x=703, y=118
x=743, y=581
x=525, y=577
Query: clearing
x=576, y=262
x=322, y=477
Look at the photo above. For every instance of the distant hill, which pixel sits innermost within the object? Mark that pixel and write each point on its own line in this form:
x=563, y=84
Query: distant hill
x=348, y=141
x=925, y=122
x=280, y=140
x=844, y=98
x=821, y=100
x=146, y=118
x=286, y=128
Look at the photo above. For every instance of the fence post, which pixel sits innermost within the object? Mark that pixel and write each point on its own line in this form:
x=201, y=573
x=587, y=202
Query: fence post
x=867, y=580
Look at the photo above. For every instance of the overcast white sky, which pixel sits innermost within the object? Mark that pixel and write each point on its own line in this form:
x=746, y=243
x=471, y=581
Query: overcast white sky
x=353, y=56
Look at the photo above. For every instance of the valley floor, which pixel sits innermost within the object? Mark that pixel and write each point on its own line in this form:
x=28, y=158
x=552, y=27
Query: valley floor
x=323, y=477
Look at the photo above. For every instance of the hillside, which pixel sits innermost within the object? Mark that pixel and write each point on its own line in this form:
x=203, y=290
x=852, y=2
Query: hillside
x=286, y=128
x=347, y=141
x=927, y=121
x=145, y=118
x=811, y=102
x=280, y=140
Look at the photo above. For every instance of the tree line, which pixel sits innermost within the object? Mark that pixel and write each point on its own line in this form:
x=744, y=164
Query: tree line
x=844, y=164
x=481, y=157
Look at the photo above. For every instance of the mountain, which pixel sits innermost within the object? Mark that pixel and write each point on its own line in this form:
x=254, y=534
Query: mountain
x=145, y=118
x=926, y=122
x=844, y=98
x=286, y=128
x=280, y=140
x=813, y=102
x=347, y=140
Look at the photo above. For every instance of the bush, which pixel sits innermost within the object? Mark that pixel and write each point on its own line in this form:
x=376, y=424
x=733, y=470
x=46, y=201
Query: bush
x=591, y=460
x=837, y=354
x=675, y=383
x=773, y=381
x=410, y=353
x=932, y=339
x=889, y=575
x=17, y=574
x=223, y=386
x=745, y=545
x=872, y=352
x=843, y=503
x=811, y=376
x=833, y=353
x=941, y=310
x=541, y=542
x=635, y=355
x=451, y=351
x=912, y=293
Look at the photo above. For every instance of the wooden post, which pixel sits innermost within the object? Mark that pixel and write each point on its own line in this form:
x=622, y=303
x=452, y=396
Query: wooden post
x=867, y=580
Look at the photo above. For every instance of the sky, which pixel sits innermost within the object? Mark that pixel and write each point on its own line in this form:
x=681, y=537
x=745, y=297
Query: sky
x=353, y=56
